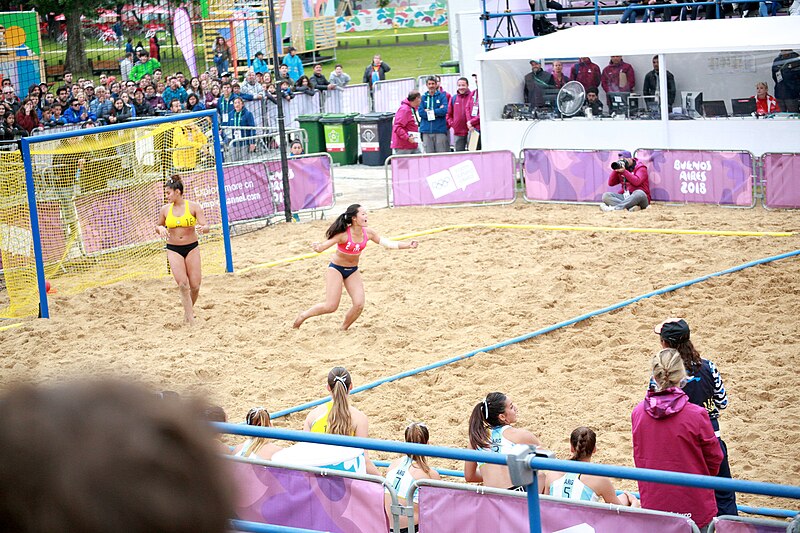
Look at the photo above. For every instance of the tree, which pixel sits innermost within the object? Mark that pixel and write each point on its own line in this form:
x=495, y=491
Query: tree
x=72, y=10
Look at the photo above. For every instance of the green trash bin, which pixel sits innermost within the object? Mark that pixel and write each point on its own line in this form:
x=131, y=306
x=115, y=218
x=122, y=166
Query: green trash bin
x=449, y=67
x=341, y=137
x=314, y=131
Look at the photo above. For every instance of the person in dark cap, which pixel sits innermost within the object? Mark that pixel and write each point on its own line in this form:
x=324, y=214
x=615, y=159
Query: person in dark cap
x=260, y=65
x=295, y=64
x=705, y=388
x=631, y=175
x=536, y=81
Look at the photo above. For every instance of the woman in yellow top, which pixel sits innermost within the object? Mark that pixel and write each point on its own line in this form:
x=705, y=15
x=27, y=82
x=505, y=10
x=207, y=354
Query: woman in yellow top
x=180, y=222
x=338, y=417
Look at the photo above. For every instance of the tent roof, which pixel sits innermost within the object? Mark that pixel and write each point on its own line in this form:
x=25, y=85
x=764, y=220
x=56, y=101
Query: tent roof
x=726, y=35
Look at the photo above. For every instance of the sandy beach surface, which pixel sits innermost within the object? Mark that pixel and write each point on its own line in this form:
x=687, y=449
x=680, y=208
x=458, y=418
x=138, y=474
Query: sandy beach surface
x=459, y=291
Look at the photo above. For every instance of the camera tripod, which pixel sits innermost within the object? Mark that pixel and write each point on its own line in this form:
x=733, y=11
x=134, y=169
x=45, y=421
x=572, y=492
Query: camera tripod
x=512, y=30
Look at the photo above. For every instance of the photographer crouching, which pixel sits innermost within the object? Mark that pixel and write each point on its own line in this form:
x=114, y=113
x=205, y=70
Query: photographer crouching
x=635, y=191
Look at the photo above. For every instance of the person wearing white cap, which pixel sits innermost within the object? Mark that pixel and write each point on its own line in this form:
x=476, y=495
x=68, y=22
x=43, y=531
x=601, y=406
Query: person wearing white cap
x=705, y=388
x=631, y=175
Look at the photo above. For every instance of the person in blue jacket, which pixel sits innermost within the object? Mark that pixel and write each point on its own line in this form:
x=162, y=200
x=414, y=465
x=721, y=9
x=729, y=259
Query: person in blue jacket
x=240, y=126
x=260, y=64
x=433, y=119
x=295, y=64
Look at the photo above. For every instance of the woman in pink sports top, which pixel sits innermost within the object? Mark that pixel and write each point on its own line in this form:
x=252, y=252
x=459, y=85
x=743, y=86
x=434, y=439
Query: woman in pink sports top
x=350, y=234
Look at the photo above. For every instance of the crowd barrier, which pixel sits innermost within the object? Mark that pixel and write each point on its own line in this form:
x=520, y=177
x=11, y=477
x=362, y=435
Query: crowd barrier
x=388, y=94
x=455, y=507
x=255, y=189
x=236, y=142
x=741, y=524
x=310, y=497
x=690, y=176
x=523, y=463
x=352, y=99
x=780, y=178
x=449, y=82
x=452, y=178
x=700, y=176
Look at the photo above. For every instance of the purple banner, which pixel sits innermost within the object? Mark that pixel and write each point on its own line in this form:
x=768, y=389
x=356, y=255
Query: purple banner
x=454, y=178
x=567, y=176
x=255, y=190
x=247, y=192
x=781, y=172
x=447, y=510
x=723, y=525
x=304, y=500
x=310, y=182
x=697, y=176
x=140, y=205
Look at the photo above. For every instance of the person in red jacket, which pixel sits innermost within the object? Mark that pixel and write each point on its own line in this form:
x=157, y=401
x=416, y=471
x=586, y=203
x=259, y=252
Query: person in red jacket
x=458, y=113
x=765, y=103
x=27, y=117
x=671, y=433
x=586, y=72
x=635, y=191
x=405, y=130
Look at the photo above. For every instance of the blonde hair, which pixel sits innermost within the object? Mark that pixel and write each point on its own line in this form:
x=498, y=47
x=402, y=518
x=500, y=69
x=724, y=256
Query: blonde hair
x=668, y=369
x=257, y=416
x=762, y=84
x=340, y=421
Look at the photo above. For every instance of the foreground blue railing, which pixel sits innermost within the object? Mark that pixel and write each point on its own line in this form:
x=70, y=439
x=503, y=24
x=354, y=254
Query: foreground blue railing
x=530, y=461
x=255, y=527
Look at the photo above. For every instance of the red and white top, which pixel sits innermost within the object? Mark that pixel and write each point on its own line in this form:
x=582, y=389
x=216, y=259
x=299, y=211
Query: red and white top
x=353, y=248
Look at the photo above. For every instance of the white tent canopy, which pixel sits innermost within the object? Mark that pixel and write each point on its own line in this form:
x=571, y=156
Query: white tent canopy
x=729, y=35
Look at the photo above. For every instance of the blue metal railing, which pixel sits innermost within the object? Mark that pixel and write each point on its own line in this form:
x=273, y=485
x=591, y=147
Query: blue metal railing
x=579, y=467
x=596, y=10
x=255, y=527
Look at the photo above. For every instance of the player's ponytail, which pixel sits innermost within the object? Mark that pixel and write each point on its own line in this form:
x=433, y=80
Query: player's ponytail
x=583, y=441
x=340, y=421
x=175, y=183
x=342, y=221
x=485, y=415
x=417, y=433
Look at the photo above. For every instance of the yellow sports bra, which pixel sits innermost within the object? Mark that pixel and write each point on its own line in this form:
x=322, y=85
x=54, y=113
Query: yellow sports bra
x=187, y=220
x=320, y=425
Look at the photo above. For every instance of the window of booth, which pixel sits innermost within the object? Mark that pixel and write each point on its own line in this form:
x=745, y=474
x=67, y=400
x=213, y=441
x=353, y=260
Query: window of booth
x=699, y=86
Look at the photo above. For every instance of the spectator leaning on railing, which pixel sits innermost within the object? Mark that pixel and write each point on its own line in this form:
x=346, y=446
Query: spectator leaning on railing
x=339, y=79
x=318, y=80
x=251, y=87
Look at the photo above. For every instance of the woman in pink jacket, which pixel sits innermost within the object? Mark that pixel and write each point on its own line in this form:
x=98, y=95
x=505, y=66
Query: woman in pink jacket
x=670, y=433
x=458, y=114
x=405, y=130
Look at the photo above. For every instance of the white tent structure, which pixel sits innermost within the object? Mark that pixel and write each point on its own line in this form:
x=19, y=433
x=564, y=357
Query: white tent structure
x=722, y=58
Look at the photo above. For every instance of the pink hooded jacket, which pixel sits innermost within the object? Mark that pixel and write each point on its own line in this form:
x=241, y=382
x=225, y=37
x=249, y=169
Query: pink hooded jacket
x=404, y=122
x=669, y=433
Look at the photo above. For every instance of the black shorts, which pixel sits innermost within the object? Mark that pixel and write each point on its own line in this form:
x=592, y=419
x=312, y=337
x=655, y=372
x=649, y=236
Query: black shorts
x=182, y=249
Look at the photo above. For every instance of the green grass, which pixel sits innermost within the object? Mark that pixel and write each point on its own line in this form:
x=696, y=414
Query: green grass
x=406, y=60
x=392, y=36
x=410, y=58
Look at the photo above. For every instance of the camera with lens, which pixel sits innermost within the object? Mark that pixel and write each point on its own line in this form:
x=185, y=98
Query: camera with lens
x=616, y=165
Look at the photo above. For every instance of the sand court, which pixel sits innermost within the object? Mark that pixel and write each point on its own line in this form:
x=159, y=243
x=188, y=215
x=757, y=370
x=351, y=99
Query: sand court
x=459, y=291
